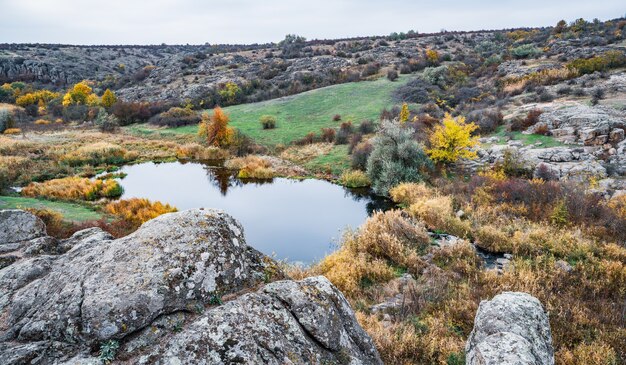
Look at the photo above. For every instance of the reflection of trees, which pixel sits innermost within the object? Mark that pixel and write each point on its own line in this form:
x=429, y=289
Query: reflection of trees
x=222, y=178
x=225, y=179
x=373, y=202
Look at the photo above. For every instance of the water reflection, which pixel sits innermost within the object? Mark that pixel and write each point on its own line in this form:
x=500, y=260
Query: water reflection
x=296, y=220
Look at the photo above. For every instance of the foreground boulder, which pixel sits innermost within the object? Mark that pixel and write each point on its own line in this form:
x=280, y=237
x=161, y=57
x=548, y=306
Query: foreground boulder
x=510, y=329
x=157, y=295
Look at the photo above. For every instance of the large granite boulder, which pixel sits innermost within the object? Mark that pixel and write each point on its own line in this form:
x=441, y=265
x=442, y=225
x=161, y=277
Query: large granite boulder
x=157, y=294
x=510, y=329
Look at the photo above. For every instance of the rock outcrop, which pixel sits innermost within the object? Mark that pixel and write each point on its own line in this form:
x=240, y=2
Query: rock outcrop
x=512, y=328
x=157, y=294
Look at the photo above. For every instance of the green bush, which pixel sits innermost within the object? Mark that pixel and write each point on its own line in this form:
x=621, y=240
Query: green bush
x=526, y=51
x=396, y=158
x=354, y=179
x=268, y=122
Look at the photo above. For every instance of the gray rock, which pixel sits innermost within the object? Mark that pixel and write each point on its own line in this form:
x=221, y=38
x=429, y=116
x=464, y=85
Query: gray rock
x=286, y=322
x=18, y=225
x=158, y=292
x=510, y=329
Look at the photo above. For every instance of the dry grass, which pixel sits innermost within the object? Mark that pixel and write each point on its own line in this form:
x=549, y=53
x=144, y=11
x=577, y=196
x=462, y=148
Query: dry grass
x=138, y=211
x=74, y=188
x=195, y=151
x=585, y=305
x=354, y=179
x=251, y=167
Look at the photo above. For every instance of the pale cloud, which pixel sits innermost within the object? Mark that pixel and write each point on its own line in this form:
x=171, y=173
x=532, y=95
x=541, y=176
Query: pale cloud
x=249, y=21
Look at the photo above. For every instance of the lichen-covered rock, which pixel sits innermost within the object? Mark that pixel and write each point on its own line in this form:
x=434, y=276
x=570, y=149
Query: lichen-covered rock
x=158, y=294
x=510, y=329
x=286, y=322
x=18, y=225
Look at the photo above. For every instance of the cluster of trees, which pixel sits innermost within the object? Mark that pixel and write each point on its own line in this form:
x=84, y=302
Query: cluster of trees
x=396, y=153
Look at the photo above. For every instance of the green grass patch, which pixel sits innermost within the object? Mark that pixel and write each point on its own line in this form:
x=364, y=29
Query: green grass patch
x=70, y=212
x=303, y=113
x=526, y=139
x=334, y=162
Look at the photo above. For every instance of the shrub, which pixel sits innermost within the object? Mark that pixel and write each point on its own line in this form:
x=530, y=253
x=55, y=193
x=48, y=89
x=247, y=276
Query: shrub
x=215, y=128
x=395, y=158
x=176, y=117
x=12, y=131
x=251, y=167
x=336, y=118
x=108, y=98
x=74, y=188
x=328, y=135
x=5, y=120
x=354, y=179
x=106, y=122
x=81, y=93
x=128, y=113
x=138, y=211
x=345, y=130
x=195, y=151
x=486, y=120
x=366, y=127
x=526, y=51
x=530, y=120
x=392, y=75
x=452, y=140
x=360, y=154
x=97, y=153
x=268, y=122
x=364, y=255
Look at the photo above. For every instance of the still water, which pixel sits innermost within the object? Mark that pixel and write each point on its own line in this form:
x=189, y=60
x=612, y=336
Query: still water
x=297, y=221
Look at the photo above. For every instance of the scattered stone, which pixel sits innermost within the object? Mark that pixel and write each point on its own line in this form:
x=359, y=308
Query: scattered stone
x=510, y=329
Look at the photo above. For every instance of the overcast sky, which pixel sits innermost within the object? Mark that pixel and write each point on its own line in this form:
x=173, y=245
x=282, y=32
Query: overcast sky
x=250, y=21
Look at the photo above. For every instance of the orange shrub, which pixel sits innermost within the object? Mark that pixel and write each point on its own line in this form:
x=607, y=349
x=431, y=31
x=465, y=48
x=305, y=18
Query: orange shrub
x=74, y=188
x=137, y=211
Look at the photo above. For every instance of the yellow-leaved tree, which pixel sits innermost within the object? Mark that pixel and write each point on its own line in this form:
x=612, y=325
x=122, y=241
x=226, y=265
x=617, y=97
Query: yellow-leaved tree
x=108, y=98
x=215, y=128
x=78, y=94
x=452, y=140
x=404, y=113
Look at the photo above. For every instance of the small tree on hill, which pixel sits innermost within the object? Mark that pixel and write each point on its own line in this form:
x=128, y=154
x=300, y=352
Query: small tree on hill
x=452, y=140
x=108, y=98
x=215, y=128
x=396, y=158
x=404, y=113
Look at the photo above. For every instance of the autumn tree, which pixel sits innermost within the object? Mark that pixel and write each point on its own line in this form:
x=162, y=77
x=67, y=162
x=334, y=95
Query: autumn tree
x=229, y=92
x=432, y=56
x=404, y=113
x=108, y=98
x=78, y=94
x=452, y=140
x=215, y=128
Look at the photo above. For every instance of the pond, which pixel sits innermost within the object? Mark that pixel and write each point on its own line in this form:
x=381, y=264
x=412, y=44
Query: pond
x=296, y=220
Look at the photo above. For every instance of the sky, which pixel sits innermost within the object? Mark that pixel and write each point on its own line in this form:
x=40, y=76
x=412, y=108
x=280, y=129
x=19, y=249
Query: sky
x=260, y=21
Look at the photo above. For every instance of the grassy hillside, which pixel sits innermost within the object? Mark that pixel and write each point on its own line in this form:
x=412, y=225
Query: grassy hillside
x=307, y=112
x=70, y=212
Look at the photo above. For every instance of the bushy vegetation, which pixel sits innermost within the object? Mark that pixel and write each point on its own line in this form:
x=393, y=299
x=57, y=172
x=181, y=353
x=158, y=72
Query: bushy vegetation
x=74, y=188
x=438, y=311
x=215, y=128
x=354, y=179
x=251, y=167
x=176, y=117
x=97, y=154
x=452, y=140
x=137, y=211
x=395, y=158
